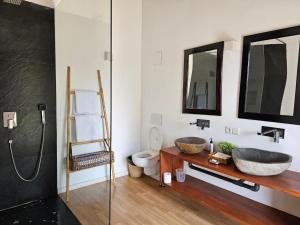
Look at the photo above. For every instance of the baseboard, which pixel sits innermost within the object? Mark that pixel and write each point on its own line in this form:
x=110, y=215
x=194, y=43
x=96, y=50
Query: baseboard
x=90, y=182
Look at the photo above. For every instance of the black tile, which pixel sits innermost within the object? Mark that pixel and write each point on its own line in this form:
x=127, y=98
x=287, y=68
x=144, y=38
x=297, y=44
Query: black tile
x=50, y=211
x=27, y=33
x=27, y=78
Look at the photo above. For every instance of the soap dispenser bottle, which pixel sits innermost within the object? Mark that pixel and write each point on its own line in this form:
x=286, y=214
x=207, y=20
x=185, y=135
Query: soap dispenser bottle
x=211, y=146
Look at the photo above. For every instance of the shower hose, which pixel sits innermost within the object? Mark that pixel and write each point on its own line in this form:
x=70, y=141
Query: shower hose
x=37, y=168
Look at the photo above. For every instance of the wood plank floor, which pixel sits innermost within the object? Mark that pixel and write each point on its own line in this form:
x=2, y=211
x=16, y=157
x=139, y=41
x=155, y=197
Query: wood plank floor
x=140, y=202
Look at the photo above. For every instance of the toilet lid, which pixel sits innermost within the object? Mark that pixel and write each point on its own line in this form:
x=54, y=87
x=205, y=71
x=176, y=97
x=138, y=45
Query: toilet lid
x=155, y=139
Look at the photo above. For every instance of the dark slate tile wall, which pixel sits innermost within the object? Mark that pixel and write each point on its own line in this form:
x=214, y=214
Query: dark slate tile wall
x=27, y=78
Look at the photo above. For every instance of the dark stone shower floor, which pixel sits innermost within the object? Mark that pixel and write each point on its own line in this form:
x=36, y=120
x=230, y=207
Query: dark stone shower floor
x=51, y=211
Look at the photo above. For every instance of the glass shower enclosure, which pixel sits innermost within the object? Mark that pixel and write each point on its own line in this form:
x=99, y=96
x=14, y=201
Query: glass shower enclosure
x=83, y=44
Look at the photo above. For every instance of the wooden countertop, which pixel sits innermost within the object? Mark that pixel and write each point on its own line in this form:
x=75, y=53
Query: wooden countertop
x=243, y=210
x=287, y=182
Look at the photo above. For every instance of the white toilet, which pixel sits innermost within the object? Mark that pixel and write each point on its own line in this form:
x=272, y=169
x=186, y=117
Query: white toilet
x=149, y=159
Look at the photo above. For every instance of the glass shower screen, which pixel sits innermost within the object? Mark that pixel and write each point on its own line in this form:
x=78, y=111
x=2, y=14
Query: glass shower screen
x=83, y=43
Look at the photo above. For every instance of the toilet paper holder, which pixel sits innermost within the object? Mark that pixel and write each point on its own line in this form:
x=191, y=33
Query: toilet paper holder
x=9, y=120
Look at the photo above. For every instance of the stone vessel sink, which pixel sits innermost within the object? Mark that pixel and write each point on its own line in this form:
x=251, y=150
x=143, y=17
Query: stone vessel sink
x=260, y=162
x=190, y=145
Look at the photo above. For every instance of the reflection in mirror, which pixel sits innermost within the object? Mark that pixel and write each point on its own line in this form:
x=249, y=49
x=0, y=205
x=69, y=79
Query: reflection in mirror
x=270, y=74
x=201, y=91
x=202, y=78
x=271, y=85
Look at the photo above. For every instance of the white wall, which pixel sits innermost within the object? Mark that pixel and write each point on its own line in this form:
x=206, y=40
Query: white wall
x=82, y=37
x=171, y=26
x=126, y=104
x=80, y=43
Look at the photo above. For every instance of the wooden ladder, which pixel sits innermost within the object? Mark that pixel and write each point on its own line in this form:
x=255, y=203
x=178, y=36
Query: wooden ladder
x=106, y=140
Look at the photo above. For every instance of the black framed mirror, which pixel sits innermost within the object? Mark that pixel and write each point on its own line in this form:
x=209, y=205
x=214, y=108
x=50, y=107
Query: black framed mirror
x=202, y=79
x=269, y=89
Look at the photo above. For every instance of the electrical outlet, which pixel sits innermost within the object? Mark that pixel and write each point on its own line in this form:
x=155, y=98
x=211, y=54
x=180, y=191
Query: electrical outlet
x=236, y=131
x=228, y=130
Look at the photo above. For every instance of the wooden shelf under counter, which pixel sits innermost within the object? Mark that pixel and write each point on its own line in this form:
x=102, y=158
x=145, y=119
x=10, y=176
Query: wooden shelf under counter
x=234, y=206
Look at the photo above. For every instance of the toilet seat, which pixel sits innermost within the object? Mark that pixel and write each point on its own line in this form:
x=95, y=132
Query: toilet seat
x=146, y=154
x=155, y=139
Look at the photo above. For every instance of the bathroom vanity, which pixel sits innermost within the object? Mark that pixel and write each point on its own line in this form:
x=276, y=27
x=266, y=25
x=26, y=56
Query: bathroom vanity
x=234, y=206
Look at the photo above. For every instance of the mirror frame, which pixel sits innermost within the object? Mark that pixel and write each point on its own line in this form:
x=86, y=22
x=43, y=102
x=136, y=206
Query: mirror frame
x=219, y=46
x=295, y=119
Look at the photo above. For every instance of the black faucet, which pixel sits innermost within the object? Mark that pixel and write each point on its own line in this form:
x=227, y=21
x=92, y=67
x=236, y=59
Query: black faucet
x=276, y=133
x=201, y=123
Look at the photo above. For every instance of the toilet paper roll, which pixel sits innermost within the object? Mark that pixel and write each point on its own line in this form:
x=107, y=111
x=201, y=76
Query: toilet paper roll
x=167, y=178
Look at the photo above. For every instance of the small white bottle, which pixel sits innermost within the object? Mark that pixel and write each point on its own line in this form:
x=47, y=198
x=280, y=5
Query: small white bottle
x=211, y=146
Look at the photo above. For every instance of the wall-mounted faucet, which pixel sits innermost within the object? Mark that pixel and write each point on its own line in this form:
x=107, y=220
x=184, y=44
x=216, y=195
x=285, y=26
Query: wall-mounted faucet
x=201, y=123
x=10, y=120
x=276, y=133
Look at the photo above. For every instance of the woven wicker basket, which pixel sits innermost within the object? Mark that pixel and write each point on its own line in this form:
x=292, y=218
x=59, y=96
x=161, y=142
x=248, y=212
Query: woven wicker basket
x=89, y=160
x=134, y=171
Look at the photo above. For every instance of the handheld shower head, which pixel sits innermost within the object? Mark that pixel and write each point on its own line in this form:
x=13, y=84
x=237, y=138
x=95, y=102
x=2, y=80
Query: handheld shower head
x=42, y=108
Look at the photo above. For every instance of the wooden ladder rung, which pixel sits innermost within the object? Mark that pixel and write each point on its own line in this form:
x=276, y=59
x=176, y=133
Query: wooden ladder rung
x=87, y=142
x=73, y=117
x=72, y=92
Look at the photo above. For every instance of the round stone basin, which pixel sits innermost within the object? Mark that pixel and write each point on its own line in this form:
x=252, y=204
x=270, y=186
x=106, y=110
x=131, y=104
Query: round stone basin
x=190, y=145
x=260, y=162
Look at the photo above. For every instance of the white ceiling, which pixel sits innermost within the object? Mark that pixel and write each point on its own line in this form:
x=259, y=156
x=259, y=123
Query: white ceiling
x=48, y=3
x=91, y=9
